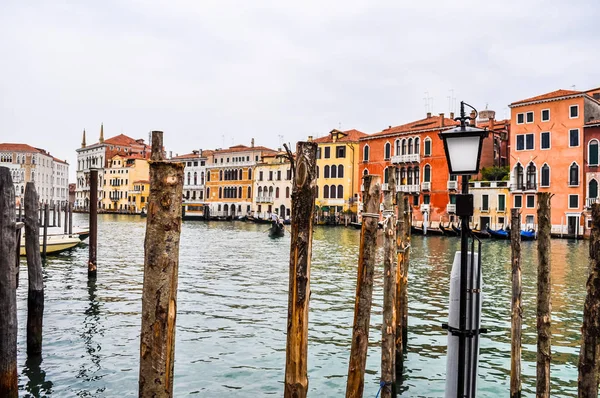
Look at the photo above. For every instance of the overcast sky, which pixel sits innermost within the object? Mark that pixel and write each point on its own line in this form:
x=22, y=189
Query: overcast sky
x=216, y=73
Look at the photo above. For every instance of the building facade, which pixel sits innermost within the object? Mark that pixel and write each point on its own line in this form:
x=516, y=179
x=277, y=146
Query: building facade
x=591, y=134
x=125, y=184
x=194, y=181
x=272, y=187
x=490, y=203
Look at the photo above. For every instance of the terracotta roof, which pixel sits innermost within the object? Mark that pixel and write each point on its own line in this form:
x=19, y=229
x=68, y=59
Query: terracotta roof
x=142, y=181
x=348, y=136
x=547, y=96
x=59, y=160
x=19, y=148
x=198, y=155
x=122, y=140
x=429, y=123
x=592, y=123
x=242, y=148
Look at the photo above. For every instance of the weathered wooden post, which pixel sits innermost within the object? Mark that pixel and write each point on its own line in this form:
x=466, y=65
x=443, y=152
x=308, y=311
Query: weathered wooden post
x=35, y=294
x=543, y=296
x=54, y=215
x=92, y=266
x=388, y=326
x=516, y=310
x=8, y=288
x=303, y=206
x=19, y=216
x=71, y=219
x=58, y=206
x=590, y=331
x=66, y=217
x=161, y=265
x=46, y=220
x=405, y=267
x=364, y=287
x=401, y=247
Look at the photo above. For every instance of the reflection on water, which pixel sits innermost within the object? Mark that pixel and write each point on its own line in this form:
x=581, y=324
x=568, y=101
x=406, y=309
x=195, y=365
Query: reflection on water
x=232, y=309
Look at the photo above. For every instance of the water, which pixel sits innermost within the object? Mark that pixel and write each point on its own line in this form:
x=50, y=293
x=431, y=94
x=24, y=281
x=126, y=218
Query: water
x=232, y=309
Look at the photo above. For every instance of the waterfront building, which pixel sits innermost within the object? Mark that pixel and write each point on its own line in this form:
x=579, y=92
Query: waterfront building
x=416, y=154
x=272, y=186
x=194, y=180
x=490, y=202
x=338, y=179
x=549, y=154
x=591, y=134
x=125, y=184
x=97, y=156
x=229, y=179
x=26, y=163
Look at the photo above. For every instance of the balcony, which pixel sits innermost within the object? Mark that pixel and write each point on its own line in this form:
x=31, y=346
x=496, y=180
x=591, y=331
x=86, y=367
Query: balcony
x=426, y=186
x=528, y=186
x=334, y=202
x=424, y=207
x=412, y=158
x=450, y=208
x=413, y=188
x=590, y=201
x=264, y=199
x=385, y=187
x=453, y=185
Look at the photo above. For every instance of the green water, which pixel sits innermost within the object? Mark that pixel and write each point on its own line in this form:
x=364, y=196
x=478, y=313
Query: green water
x=232, y=309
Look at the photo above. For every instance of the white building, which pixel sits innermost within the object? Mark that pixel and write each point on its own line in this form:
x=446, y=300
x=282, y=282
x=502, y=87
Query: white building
x=26, y=163
x=273, y=187
x=194, y=181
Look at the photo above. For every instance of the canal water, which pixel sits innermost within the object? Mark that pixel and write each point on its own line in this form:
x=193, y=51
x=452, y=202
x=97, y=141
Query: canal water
x=232, y=309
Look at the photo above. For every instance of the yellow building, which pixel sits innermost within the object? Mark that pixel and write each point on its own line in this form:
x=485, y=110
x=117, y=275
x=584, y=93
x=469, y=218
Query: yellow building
x=338, y=179
x=121, y=178
x=490, y=200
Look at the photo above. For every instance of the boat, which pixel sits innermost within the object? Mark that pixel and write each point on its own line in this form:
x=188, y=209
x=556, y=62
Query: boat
x=416, y=230
x=498, y=234
x=449, y=231
x=434, y=231
x=143, y=213
x=528, y=235
x=455, y=229
x=481, y=234
x=357, y=225
x=277, y=229
x=54, y=243
x=79, y=232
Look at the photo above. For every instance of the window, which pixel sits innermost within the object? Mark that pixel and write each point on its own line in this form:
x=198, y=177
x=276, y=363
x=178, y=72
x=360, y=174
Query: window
x=529, y=141
x=334, y=171
x=326, y=192
x=574, y=111
x=592, y=189
x=332, y=192
x=270, y=175
x=404, y=146
x=530, y=201
x=277, y=193
x=520, y=118
x=485, y=202
x=287, y=192
x=278, y=175
x=518, y=201
x=545, y=176
x=326, y=172
x=573, y=137
x=340, y=191
x=388, y=151
x=426, y=199
x=417, y=149
x=340, y=151
x=529, y=117
x=519, y=176
x=249, y=192
x=525, y=142
x=427, y=149
x=397, y=147
x=386, y=175
x=415, y=200
x=340, y=171
x=501, y=202
x=427, y=173
x=249, y=174
x=410, y=146
x=520, y=142
x=545, y=140
x=593, y=153
x=366, y=153
x=574, y=174
x=327, y=152
x=545, y=115
x=319, y=153
x=531, y=174
x=529, y=220
x=573, y=201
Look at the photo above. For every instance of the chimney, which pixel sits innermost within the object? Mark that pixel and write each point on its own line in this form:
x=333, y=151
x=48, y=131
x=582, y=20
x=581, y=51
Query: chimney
x=442, y=119
x=472, y=121
x=83, y=140
x=170, y=154
x=310, y=138
x=428, y=115
x=452, y=115
x=252, y=143
x=101, y=140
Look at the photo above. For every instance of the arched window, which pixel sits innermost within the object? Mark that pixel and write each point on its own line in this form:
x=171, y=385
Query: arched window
x=340, y=171
x=207, y=193
x=545, y=176
x=593, y=189
x=271, y=192
x=202, y=178
x=287, y=192
x=531, y=172
x=239, y=192
x=416, y=173
x=326, y=192
x=277, y=193
x=334, y=171
x=249, y=174
x=260, y=191
x=220, y=175
x=240, y=174
x=326, y=171
x=398, y=147
x=410, y=146
x=409, y=175
x=317, y=171
x=519, y=176
x=195, y=178
x=365, y=172
x=340, y=191
x=593, y=153
x=574, y=174
x=332, y=192
x=417, y=146
x=249, y=191
x=366, y=153
x=220, y=192
x=403, y=176
x=404, y=146
x=386, y=175
x=208, y=176
x=388, y=150
x=188, y=177
x=427, y=173
x=317, y=193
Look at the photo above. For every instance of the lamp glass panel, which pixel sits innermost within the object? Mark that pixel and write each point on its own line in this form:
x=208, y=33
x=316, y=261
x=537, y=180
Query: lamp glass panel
x=463, y=152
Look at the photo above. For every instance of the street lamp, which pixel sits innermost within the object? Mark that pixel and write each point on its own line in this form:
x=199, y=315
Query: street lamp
x=463, y=152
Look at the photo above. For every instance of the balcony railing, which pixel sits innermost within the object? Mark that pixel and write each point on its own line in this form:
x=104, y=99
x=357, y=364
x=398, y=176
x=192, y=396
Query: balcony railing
x=453, y=185
x=385, y=187
x=527, y=186
x=413, y=188
x=264, y=199
x=451, y=208
x=426, y=186
x=412, y=158
x=590, y=201
x=425, y=207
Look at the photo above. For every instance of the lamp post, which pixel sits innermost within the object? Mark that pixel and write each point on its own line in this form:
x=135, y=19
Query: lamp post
x=462, y=146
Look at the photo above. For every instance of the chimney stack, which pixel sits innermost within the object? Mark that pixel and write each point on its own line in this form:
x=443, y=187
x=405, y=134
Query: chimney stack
x=452, y=115
x=472, y=114
x=442, y=119
x=310, y=138
x=428, y=115
x=83, y=140
x=252, y=143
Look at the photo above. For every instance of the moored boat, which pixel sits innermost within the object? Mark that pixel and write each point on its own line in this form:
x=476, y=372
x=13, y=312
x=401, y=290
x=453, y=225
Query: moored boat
x=448, y=230
x=54, y=243
x=357, y=225
x=528, y=235
x=498, y=234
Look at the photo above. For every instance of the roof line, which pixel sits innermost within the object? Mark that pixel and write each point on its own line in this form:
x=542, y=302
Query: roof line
x=372, y=137
x=541, y=101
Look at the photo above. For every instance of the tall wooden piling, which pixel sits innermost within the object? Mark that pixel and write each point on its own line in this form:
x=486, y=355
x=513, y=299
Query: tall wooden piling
x=404, y=273
x=589, y=355
x=303, y=205
x=35, y=294
x=543, y=296
x=400, y=249
x=20, y=213
x=54, y=215
x=516, y=310
x=161, y=266
x=66, y=217
x=58, y=206
x=92, y=266
x=364, y=287
x=8, y=291
x=388, y=326
x=70, y=204
x=45, y=237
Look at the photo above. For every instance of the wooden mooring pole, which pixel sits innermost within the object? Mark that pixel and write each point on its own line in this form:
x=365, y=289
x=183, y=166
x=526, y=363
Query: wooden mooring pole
x=58, y=206
x=404, y=273
x=161, y=266
x=543, y=296
x=93, y=223
x=70, y=204
x=54, y=215
x=35, y=294
x=388, y=326
x=66, y=209
x=401, y=247
x=516, y=310
x=589, y=360
x=364, y=287
x=8, y=288
x=45, y=237
x=303, y=206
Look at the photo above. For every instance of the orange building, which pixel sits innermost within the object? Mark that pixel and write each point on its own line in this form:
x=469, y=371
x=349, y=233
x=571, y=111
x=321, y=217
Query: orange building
x=549, y=154
x=416, y=153
x=591, y=134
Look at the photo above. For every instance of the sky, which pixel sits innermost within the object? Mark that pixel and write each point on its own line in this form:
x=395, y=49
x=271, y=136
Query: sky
x=212, y=74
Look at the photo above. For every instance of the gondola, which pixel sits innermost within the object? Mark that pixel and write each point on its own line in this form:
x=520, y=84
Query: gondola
x=357, y=225
x=456, y=229
x=481, y=234
x=434, y=231
x=415, y=230
x=528, y=235
x=498, y=234
x=277, y=229
x=449, y=231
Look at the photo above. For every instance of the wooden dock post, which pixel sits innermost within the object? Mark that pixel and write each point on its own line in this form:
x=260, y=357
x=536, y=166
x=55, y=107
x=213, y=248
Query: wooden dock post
x=388, y=326
x=54, y=215
x=543, y=296
x=45, y=238
x=404, y=273
x=92, y=266
x=66, y=209
x=589, y=360
x=401, y=247
x=20, y=214
x=303, y=206
x=8, y=288
x=516, y=310
x=70, y=204
x=35, y=294
x=161, y=265
x=58, y=206
x=364, y=287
